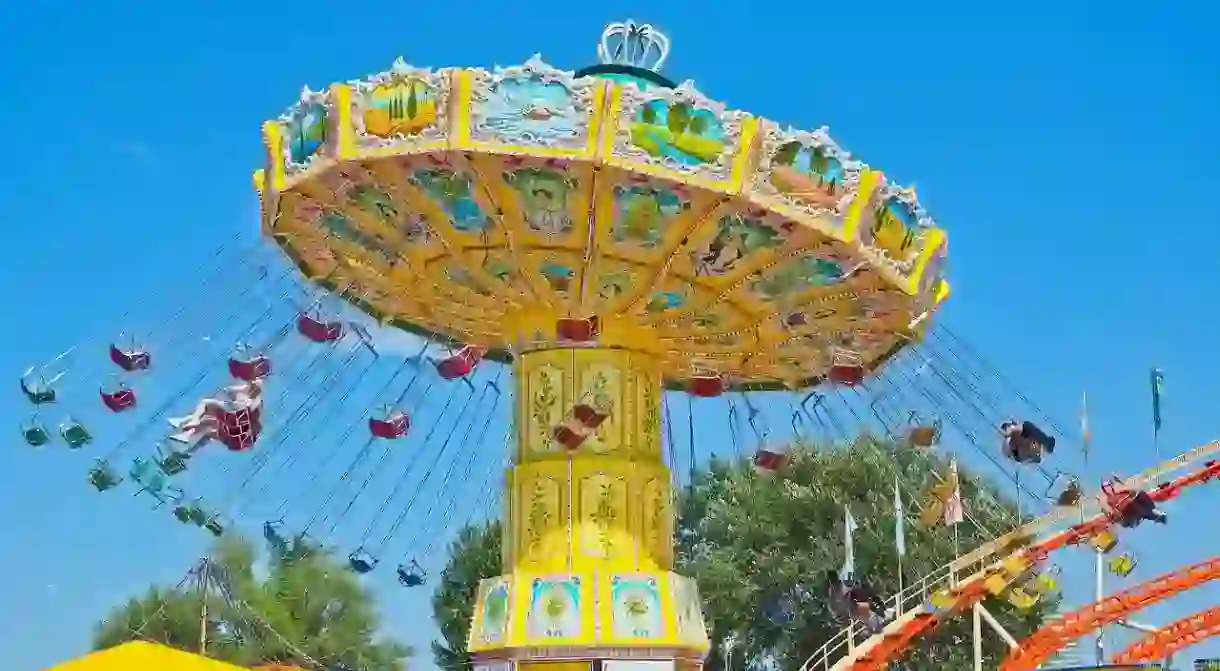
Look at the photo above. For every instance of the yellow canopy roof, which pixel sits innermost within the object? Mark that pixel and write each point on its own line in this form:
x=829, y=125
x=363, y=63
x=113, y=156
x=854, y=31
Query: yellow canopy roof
x=141, y=656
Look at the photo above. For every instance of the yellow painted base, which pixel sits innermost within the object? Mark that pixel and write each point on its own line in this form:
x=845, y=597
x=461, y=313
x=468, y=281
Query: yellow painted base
x=588, y=547
x=588, y=615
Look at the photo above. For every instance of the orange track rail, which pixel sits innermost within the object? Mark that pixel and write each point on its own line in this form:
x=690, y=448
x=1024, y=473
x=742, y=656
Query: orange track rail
x=972, y=590
x=1051, y=638
x=1171, y=638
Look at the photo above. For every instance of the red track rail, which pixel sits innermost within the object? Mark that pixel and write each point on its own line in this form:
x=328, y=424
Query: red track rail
x=972, y=590
x=1051, y=638
x=1171, y=638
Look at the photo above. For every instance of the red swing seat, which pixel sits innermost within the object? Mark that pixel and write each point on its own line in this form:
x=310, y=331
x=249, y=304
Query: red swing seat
x=461, y=363
x=1115, y=499
x=249, y=370
x=130, y=360
x=766, y=461
x=707, y=386
x=578, y=329
x=395, y=425
x=588, y=416
x=123, y=398
x=568, y=437
x=318, y=330
x=846, y=368
x=240, y=429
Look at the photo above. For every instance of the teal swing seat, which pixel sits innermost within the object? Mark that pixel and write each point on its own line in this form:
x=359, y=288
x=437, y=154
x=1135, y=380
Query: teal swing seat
x=191, y=513
x=215, y=526
x=37, y=389
x=75, y=434
x=102, y=476
x=171, y=461
x=154, y=482
x=34, y=433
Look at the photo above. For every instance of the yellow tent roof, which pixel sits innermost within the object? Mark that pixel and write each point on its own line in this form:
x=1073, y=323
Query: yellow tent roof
x=141, y=656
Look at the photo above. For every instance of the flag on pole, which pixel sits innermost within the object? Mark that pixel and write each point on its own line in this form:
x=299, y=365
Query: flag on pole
x=1086, y=434
x=900, y=537
x=849, y=559
x=954, y=512
x=1158, y=388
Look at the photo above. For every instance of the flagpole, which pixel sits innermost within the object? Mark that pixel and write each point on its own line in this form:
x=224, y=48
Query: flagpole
x=1158, y=381
x=900, y=577
x=900, y=544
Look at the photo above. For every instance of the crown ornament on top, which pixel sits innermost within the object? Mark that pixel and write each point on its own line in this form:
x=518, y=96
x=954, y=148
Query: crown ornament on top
x=637, y=45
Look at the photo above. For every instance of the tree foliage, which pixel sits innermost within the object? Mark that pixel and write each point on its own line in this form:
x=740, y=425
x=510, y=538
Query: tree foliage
x=473, y=556
x=303, y=610
x=748, y=539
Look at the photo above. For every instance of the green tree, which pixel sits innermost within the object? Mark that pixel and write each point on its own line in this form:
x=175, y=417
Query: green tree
x=677, y=118
x=747, y=540
x=302, y=610
x=786, y=153
x=473, y=556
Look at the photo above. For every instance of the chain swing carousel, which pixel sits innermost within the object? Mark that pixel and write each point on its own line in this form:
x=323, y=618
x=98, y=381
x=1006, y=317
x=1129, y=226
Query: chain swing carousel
x=608, y=234
x=613, y=234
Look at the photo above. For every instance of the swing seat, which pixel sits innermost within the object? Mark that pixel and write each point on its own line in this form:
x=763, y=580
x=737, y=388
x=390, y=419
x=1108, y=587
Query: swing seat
x=1021, y=599
x=214, y=526
x=588, y=416
x=461, y=363
x=36, y=392
x=577, y=329
x=130, y=360
x=319, y=331
x=75, y=434
x=361, y=562
x=240, y=429
x=1016, y=565
x=1122, y=565
x=766, y=461
x=174, y=462
x=707, y=386
x=846, y=374
x=567, y=437
x=410, y=575
x=395, y=425
x=124, y=398
x=1043, y=584
x=35, y=434
x=995, y=584
x=191, y=513
x=931, y=513
x=273, y=533
x=249, y=370
x=924, y=436
x=1104, y=541
x=103, y=477
x=1070, y=495
x=943, y=600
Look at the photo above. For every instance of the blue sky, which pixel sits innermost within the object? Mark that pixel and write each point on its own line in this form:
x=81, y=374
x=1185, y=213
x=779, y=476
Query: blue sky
x=1071, y=149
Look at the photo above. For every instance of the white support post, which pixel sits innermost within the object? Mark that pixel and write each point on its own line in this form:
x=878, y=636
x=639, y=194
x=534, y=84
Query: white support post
x=996, y=627
x=1098, y=595
x=978, y=639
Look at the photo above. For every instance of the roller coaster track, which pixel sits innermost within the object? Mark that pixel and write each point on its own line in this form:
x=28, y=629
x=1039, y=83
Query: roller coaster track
x=1171, y=638
x=960, y=584
x=1042, y=644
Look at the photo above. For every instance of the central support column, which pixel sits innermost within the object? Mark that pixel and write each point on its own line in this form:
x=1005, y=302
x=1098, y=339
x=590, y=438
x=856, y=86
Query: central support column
x=588, y=541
